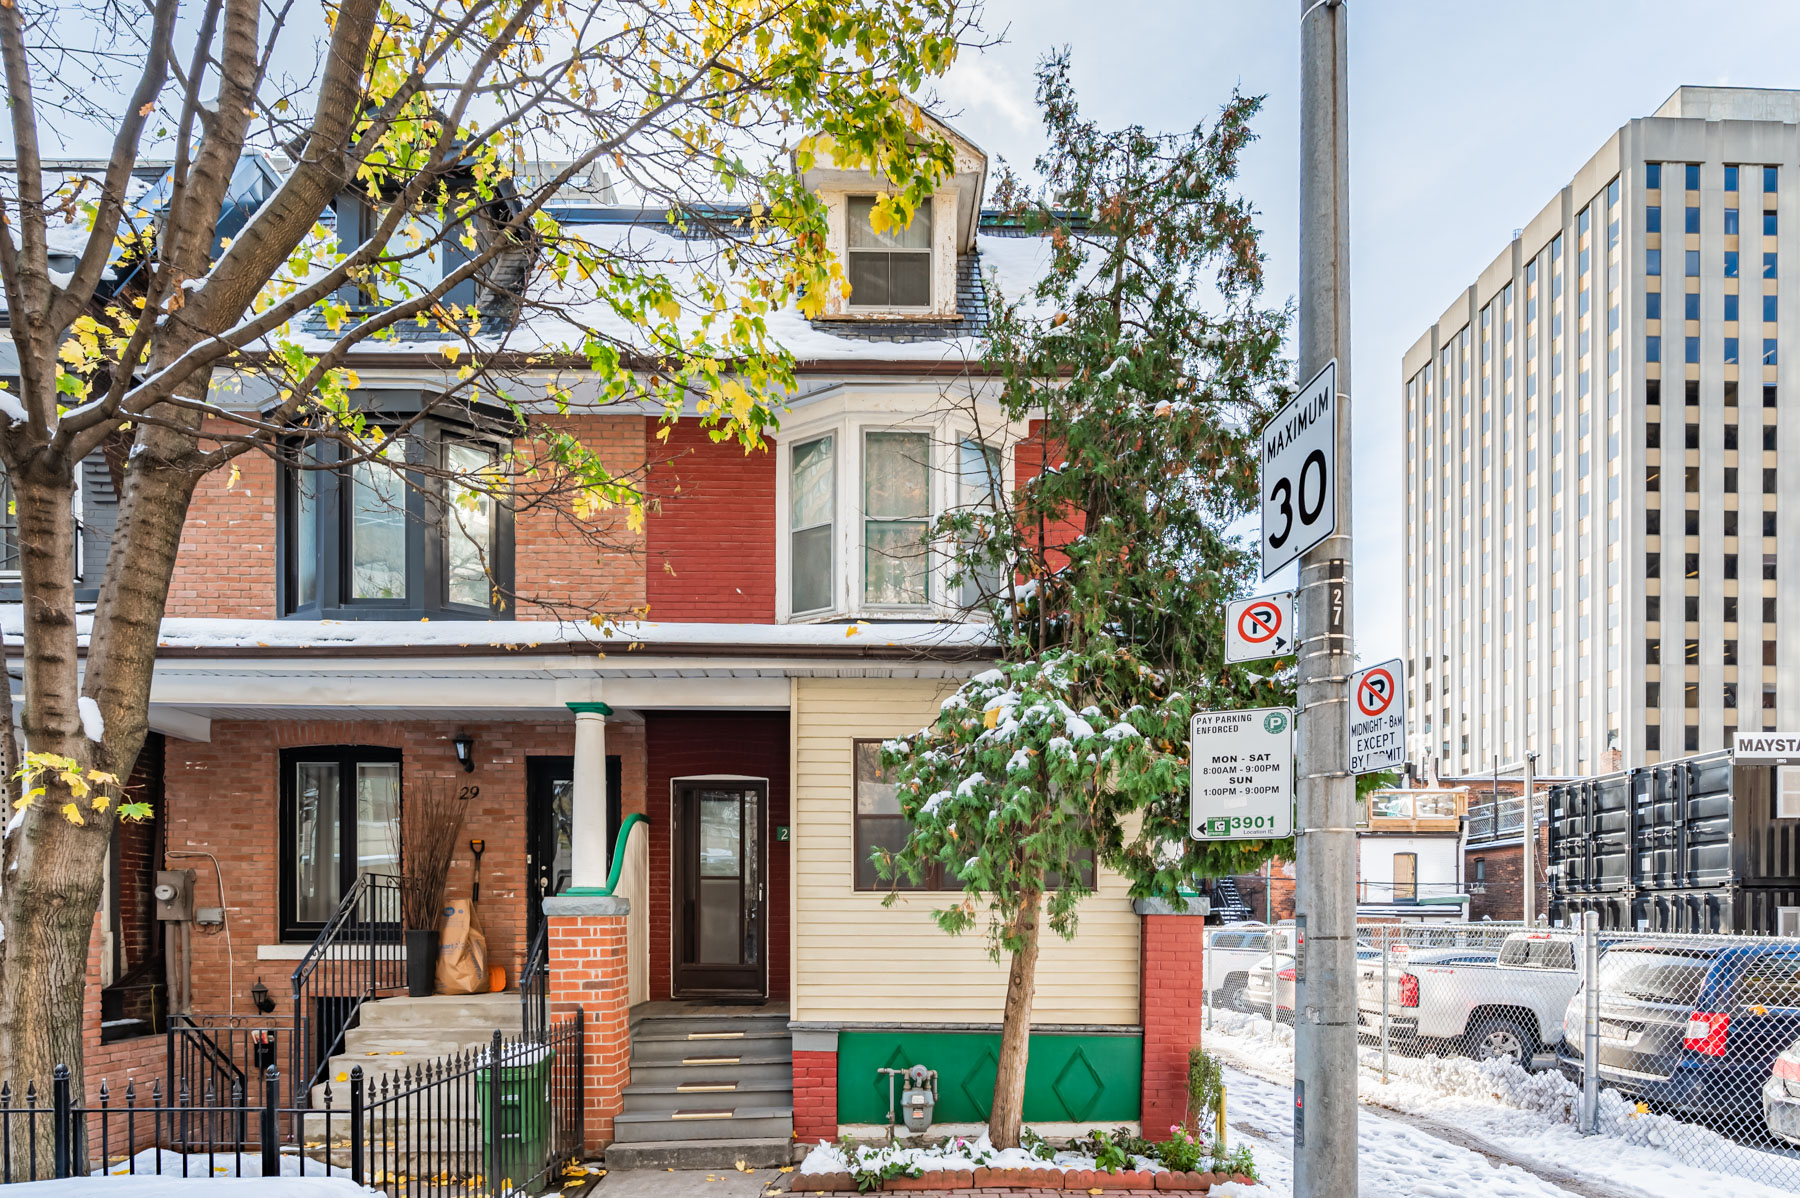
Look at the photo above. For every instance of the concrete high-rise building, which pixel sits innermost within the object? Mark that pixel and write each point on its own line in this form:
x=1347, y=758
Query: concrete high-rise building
x=1598, y=517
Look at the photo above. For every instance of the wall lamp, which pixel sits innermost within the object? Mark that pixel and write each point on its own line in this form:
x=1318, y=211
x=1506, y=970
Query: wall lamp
x=465, y=751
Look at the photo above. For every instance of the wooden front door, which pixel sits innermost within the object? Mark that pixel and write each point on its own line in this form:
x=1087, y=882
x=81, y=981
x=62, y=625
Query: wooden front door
x=721, y=895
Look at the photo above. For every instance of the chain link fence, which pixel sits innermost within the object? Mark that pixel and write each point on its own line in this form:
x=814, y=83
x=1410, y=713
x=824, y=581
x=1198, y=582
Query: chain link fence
x=1687, y=1043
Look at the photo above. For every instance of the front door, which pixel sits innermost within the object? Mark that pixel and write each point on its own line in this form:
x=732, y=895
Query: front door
x=549, y=810
x=721, y=903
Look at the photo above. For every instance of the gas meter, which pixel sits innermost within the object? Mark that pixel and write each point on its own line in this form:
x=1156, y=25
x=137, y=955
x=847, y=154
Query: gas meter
x=919, y=1098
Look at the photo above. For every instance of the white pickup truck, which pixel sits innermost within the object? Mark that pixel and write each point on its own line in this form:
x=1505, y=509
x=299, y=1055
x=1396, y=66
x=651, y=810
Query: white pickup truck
x=1470, y=1001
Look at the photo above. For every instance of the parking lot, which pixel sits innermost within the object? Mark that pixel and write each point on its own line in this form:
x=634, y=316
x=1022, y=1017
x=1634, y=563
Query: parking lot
x=1699, y=1036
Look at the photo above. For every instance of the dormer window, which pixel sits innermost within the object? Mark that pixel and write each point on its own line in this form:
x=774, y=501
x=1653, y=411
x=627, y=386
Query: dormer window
x=889, y=270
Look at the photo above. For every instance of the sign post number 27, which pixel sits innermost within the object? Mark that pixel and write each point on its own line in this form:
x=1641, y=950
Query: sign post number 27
x=1299, y=472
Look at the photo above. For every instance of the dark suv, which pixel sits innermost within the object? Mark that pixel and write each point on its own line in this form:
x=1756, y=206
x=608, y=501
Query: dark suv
x=1693, y=1030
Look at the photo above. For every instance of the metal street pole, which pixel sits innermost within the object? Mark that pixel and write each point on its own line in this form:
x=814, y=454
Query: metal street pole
x=1325, y=906
x=1528, y=849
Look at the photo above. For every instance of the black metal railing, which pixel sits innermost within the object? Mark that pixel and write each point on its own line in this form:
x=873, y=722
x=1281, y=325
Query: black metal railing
x=496, y=1120
x=360, y=952
x=534, y=982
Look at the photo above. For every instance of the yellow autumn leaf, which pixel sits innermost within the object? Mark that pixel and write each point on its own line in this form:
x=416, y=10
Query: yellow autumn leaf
x=990, y=717
x=452, y=351
x=72, y=813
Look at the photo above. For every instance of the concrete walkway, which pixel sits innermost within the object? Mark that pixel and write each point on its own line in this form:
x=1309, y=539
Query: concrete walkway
x=688, y=1183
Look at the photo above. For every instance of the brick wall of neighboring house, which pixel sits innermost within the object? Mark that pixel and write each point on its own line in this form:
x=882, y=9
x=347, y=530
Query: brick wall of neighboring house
x=1031, y=457
x=709, y=494
x=1502, y=896
x=567, y=563
x=223, y=797
x=691, y=744
x=1257, y=890
x=137, y=854
x=1170, y=997
x=226, y=566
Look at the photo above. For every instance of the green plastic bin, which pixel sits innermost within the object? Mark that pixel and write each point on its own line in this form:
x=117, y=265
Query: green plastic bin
x=518, y=1132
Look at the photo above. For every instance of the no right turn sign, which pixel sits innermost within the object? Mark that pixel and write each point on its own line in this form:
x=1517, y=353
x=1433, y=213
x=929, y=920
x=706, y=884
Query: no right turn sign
x=1377, y=718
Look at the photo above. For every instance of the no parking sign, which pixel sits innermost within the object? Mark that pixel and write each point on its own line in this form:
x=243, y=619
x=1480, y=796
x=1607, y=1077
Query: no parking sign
x=1377, y=718
x=1259, y=628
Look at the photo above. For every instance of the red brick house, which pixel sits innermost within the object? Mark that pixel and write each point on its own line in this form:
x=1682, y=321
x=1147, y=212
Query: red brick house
x=321, y=658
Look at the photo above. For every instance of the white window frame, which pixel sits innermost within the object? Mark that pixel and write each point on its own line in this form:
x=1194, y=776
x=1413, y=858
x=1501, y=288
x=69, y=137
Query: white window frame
x=929, y=210
x=847, y=423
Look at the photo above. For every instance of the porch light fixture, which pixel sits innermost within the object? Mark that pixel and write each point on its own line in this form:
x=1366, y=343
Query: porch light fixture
x=259, y=994
x=465, y=751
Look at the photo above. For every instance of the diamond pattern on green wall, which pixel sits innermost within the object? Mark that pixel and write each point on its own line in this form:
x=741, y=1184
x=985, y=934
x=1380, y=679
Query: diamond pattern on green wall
x=1072, y=1077
x=1078, y=1087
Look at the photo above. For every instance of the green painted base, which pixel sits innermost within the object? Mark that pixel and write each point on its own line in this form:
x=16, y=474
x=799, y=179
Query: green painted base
x=1073, y=1078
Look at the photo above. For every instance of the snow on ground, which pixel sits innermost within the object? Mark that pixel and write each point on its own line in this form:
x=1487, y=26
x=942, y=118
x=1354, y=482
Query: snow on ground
x=1395, y=1160
x=1528, y=1116
x=178, y=1187
x=962, y=1155
x=201, y=1166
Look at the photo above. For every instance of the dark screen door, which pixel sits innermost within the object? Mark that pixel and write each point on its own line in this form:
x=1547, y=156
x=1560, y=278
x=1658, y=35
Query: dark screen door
x=549, y=794
x=721, y=901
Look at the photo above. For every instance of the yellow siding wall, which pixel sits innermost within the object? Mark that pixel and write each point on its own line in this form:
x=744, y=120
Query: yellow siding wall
x=855, y=960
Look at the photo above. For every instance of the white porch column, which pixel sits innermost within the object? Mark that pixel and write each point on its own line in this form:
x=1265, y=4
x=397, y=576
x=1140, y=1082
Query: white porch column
x=587, y=836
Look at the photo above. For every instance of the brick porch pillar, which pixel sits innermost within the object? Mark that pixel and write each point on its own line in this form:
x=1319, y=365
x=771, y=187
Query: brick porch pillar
x=588, y=968
x=815, y=1086
x=1170, y=1005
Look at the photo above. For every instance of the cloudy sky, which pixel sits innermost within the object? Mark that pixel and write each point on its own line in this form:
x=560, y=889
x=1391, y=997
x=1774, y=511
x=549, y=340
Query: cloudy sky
x=1465, y=120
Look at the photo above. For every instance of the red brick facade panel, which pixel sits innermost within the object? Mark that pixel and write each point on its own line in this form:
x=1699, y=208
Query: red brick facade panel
x=711, y=534
x=815, y=1096
x=1170, y=997
x=588, y=974
x=223, y=798
x=567, y=562
x=1031, y=457
x=226, y=566
x=686, y=745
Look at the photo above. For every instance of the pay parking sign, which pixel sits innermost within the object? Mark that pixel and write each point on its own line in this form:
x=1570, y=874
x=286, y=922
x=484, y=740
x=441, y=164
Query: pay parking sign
x=1242, y=774
x=1377, y=718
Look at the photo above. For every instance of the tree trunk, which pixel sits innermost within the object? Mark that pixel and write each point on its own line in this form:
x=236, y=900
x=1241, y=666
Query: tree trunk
x=1008, y=1113
x=53, y=866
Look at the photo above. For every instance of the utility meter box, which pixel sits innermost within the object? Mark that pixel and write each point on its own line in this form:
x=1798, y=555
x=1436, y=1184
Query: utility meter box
x=919, y=1098
x=174, y=894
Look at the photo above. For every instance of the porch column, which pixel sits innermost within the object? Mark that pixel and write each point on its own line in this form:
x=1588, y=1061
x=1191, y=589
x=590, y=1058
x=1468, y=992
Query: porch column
x=589, y=969
x=587, y=837
x=1170, y=1005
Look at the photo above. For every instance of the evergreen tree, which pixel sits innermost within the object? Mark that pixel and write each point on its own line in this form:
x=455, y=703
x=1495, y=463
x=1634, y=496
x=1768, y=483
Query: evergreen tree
x=1145, y=361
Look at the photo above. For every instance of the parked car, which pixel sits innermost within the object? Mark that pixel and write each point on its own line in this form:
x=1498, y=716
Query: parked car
x=1235, y=949
x=1695, y=1030
x=1273, y=977
x=1473, y=1001
x=1781, y=1096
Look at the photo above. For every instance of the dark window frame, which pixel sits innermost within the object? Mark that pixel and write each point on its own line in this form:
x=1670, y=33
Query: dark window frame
x=427, y=569
x=346, y=758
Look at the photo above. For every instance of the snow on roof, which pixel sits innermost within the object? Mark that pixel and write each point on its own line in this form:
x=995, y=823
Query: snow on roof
x=376, y=635
x=559, y=314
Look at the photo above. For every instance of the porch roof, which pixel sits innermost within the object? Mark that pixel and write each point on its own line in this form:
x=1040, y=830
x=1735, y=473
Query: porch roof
x=519, y=670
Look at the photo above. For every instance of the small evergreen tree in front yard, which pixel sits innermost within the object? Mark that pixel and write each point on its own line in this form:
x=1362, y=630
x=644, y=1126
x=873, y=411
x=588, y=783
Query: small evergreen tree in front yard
x=1146, y=361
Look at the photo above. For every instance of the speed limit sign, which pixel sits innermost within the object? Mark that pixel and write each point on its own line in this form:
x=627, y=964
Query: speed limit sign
x=1299, y=472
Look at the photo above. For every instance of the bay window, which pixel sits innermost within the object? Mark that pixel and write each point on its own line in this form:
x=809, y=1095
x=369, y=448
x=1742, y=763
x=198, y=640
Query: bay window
x=812, y=500
x=406, y=530
x=896, y=516
x=340, y=819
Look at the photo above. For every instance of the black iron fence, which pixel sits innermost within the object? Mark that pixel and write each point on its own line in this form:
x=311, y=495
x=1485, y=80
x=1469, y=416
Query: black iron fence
x=534, y=982
x=494, y=1121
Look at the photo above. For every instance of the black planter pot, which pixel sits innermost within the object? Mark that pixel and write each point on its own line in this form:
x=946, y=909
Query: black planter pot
x=421, y=962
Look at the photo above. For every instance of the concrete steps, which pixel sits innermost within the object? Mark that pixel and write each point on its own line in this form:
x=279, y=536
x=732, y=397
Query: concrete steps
x=395, y=1036
x=710, y=1087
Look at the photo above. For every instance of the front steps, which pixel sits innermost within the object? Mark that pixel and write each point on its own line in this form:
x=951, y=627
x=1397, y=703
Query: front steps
x=710, y=1086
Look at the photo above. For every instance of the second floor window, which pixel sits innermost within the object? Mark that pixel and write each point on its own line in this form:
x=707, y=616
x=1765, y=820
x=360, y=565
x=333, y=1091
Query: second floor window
x=890, y=269
x=896, y=513
x=404, y=534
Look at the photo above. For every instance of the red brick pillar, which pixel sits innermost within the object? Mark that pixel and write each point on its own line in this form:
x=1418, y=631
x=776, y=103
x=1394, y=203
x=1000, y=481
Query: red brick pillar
x=1170, y=1004
x=588, y=965
x=815, y=1086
